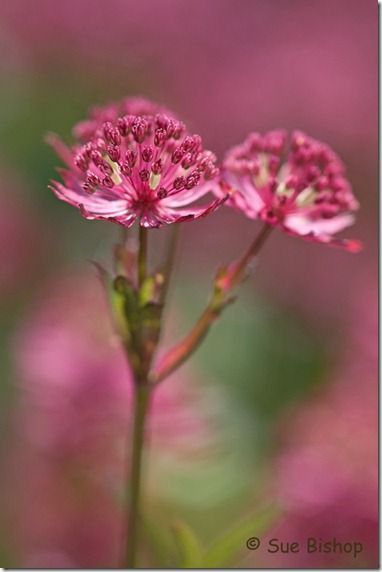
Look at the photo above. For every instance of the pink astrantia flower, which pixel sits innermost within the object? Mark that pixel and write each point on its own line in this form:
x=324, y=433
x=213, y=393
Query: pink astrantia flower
x=304, y=192
x=132, y=161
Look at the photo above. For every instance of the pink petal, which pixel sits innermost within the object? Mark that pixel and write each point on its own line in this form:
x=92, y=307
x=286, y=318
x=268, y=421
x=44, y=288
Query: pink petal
x=124, y=220
x=167, y=215
x=244, y=196
x=93, y=204
x=150, y=220
x=188, y=196
x=62, y=150
x=351, y=245
x=302, y=225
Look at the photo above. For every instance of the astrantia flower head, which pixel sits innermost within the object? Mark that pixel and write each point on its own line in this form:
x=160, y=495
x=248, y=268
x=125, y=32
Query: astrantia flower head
x=304, y=191
x=135, y=160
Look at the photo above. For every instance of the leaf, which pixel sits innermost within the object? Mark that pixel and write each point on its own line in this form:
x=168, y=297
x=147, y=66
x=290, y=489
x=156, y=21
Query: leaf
x=101, y=271
x=150, y=315
x=115, y=293
x=190, y=553
x=223, y=551
x=121, y=298
x=151, y=289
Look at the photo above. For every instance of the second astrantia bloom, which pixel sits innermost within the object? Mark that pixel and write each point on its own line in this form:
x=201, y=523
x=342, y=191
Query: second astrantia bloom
x=304, y=191
x=140, y=164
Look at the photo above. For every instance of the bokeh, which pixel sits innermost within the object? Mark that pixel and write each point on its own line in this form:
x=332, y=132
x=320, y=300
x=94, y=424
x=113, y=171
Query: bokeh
x=279, y=406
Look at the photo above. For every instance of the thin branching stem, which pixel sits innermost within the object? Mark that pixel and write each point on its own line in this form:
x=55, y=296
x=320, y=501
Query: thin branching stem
x=221, y=297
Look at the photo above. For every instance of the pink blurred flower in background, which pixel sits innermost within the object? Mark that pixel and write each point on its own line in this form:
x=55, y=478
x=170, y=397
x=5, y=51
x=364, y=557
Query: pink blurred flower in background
x=328, y=481
x=305, y=195
x=67, y=462
x=133, y=167
x=326, y=476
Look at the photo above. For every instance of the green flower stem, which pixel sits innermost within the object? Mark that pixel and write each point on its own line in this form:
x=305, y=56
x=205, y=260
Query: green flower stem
x=182, y=351
x=224, y=284
x=170, y=259
x=142, y=256
x=141, y=405
x=237, y=272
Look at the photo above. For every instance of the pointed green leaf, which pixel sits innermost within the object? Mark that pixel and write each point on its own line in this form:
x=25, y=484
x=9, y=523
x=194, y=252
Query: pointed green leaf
x=121, y=298
x=224, y=550
x=189, y=549
x=115, y=295
x=150, y=290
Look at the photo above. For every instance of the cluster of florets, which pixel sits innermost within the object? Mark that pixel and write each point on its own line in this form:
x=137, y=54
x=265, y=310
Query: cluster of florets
x=134, y=160
x=304, y=190
x=98, y=115
x=147, y=152
x=149, y=162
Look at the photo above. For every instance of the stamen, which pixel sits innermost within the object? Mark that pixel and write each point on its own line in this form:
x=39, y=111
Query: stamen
x=88, y=188
x=192, y=180
x=160, y=137
x=111, y=133
x=147, y=153
x=114, y=152
x=123, y=126
x=108, y=182
x=179, y=183
x=92, y=179
x=157, y=167
x=188, y=161
x=126, y=169
x=139, y=129
x=162, y=193
x=81, y=162
x=144, y=175
x=131, y=157
x=177, y=155
x=106, y=168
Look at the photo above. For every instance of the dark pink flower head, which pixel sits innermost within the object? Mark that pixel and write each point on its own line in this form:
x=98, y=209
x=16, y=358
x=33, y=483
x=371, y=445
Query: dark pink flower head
x=134, y=160
x=302, y=190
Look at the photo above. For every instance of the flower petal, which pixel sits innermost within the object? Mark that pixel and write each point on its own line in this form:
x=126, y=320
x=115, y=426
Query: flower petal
x=150, y=220
x=351, y=245
x=168, y=215
x=302, y=225
x=188, y=196
x=62, y=150
x=91, y=204
x=124, y=220
x=244, y=197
